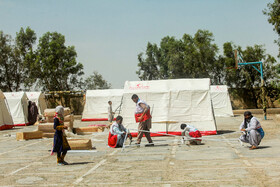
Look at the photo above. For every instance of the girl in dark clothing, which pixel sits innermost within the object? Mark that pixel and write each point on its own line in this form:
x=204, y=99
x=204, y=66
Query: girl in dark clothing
x=60, y=144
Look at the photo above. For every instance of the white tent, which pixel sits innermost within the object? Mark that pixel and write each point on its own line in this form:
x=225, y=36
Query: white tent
x=172, y=102
x=96, y=106
x=221, y=101
x=17, y=102
x=6, y=121
x=39, y=99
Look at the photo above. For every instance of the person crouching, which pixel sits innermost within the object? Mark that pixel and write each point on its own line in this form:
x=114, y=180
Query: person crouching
x=189, y=132
x=253, y=132
x=117, y=133
x=60, y=142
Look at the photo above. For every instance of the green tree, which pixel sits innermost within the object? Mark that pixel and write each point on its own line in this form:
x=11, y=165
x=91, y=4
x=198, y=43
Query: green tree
x=96, y=81
x=172, y=64
x=247, y=77
x=6, y=63
x=189, y=57
x=17, y=59
x=197, y=57
x=200, y=55
x=273, y=13
x=25, y=58
x=56, y=67
x=149, y=66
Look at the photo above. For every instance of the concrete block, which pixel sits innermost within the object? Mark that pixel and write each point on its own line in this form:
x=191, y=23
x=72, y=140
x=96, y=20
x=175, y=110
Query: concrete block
x=100, y=128
x=50, y=112
x=80, y=144
x=85, y=130
x=68, y=118
x=46, y=128
x=48, y=135
x=29, y=135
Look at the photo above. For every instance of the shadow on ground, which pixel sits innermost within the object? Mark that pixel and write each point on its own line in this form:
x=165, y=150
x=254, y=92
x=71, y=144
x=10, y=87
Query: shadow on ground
x=264, y=147
x=225, y=131
x=80, y=163
x=236, y=115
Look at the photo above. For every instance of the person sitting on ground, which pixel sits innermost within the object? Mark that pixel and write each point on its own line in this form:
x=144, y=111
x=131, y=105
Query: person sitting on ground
x=190, y=132
x=253, y=130
x=117, y=133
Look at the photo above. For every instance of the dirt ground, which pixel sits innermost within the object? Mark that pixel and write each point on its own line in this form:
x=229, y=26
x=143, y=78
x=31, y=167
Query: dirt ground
x=220, y=161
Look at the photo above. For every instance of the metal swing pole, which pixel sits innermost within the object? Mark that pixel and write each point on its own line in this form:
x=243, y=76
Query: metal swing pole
x=237, y=55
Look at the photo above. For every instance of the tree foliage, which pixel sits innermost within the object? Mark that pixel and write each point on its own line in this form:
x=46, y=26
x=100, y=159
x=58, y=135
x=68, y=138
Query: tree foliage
x=273, y=13
x=189, y=57
x=6, y=63
x=25, y=57
x=96, y=81
x=247, y=77
x=51, y=66
x=198, y=57
x=16, y=58
x=56, y=65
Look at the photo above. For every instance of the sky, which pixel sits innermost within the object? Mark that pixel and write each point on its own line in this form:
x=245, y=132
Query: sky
x=108, y=35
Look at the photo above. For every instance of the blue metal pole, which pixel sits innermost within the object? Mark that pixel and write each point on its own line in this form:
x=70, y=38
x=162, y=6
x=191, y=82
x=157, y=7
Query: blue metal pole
x=262, y=81
x=261, y=70
x=249, y=63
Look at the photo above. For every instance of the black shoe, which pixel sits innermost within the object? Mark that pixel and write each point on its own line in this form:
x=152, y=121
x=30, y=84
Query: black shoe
x=150, y=145
x=137, y=144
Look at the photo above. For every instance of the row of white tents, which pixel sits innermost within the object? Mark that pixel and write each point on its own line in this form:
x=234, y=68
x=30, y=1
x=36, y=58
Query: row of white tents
x=14, y=107
x=172, y=102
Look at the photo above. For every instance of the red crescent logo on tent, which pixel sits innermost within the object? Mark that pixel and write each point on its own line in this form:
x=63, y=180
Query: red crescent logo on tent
x=139, y=87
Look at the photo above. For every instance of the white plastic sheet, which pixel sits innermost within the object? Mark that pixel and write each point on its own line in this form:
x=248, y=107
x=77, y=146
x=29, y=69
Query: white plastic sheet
x=172, y=102
x=17, y=103
x=221, y=101
x=96, y=105
x=5, y=116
